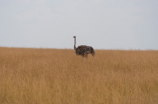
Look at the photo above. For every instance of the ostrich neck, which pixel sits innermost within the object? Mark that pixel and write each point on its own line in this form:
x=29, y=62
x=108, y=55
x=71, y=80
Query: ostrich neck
x=74, y=43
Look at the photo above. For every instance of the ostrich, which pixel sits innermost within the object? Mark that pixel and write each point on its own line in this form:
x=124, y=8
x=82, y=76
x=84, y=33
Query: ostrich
x=83, y=50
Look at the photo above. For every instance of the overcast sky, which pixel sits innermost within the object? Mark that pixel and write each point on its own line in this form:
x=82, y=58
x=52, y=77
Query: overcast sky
x=102, y=24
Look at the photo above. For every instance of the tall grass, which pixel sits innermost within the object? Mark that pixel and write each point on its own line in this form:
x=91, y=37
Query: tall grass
x=58, y=76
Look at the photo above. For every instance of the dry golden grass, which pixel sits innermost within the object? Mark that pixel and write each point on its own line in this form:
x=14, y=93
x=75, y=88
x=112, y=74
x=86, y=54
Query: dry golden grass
x=54, y=76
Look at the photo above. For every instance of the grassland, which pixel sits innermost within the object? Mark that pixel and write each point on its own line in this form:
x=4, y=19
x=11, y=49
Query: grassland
x=58, y=76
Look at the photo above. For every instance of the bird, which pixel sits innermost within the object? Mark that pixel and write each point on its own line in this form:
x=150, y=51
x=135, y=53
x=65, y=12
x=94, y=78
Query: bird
x=83, y=50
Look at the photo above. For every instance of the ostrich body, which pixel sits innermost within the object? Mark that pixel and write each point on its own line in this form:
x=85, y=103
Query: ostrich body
x=83, y=50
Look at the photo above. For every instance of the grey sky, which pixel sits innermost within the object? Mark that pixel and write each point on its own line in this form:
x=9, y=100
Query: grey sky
x=103, y=24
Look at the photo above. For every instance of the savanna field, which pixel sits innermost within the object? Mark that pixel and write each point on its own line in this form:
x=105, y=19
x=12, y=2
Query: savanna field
x=58, y=76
